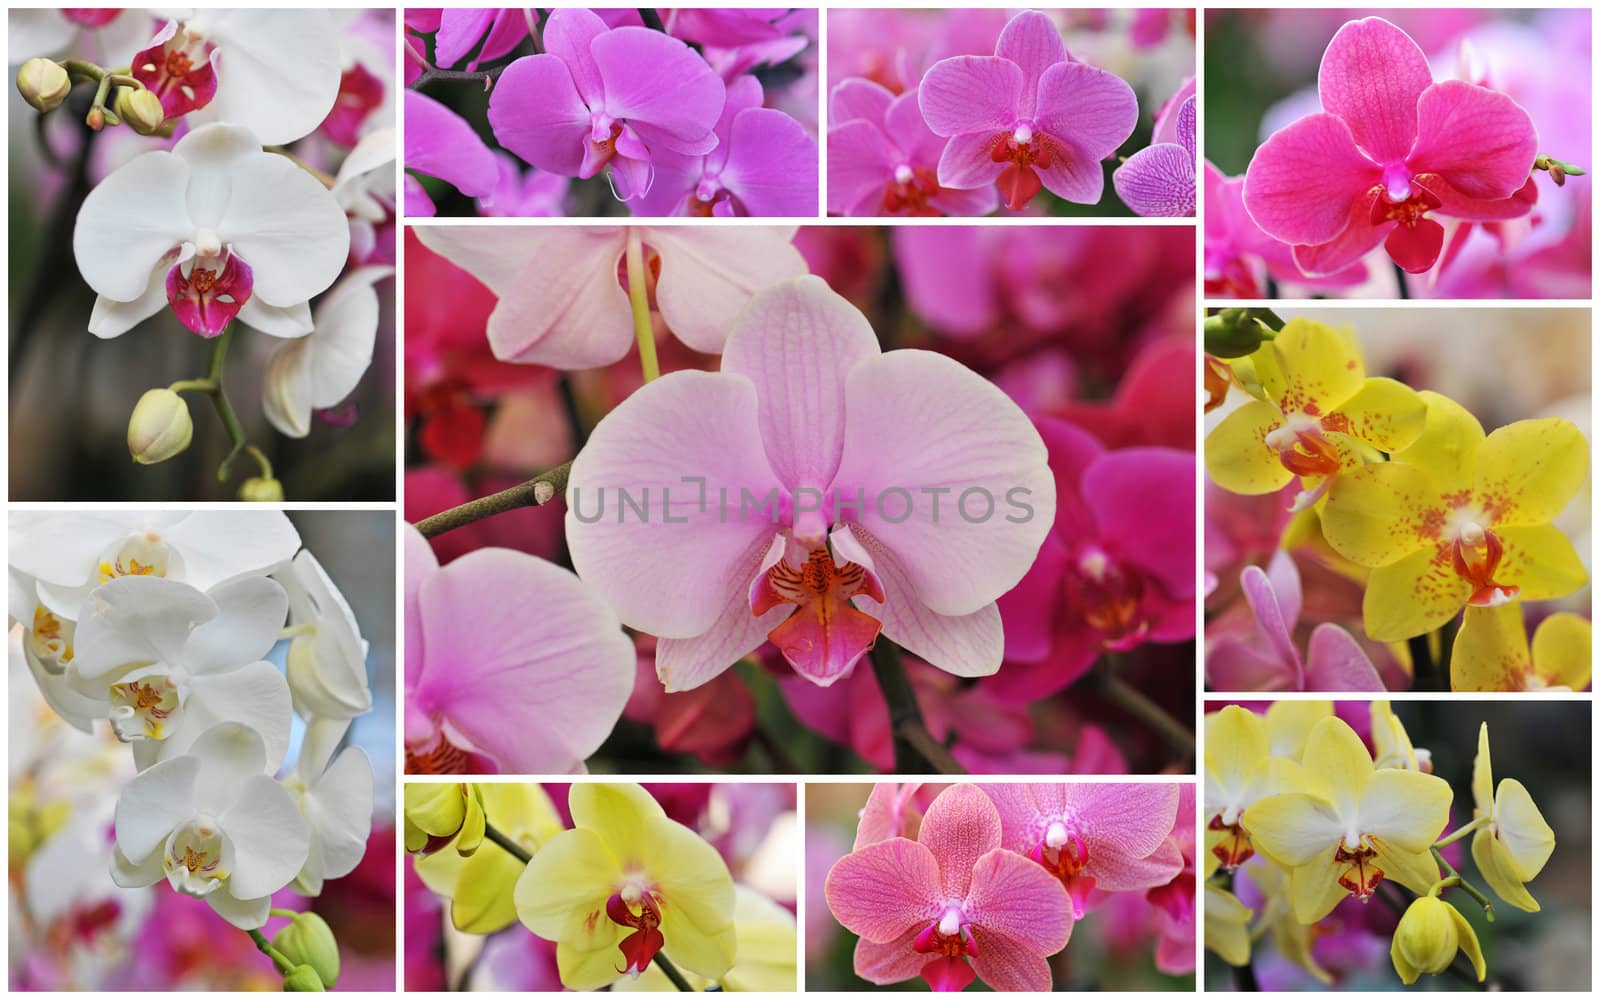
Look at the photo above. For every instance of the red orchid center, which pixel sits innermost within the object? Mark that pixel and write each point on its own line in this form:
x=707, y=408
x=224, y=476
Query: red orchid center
x=360, y=94
x=1065, y=855
x=1234, y=849
x=1361, y=876
x=1024, y=151
x=440, y=757
x=208, y=290
x=1302, y=448
x=826, y=634
x=602, y=142
x=640, y=947
x=951, y=939
x=1400, y=199
x=1110, y=599
x=911, y=192
x=179, y=72
x=1476, y=555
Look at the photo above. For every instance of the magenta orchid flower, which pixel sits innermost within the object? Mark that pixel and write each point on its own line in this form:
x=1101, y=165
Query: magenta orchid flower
x=1390, y=149
x=1027, y=117
x=561, y=299
x=1116, y=571
x=461, y=29
x=800, y=488
x=1159, y=179
x=1264, y=658
x=1094, y=835
x=512, y=664
x=1175, y=900
x=440, y=143
x=1239, y=257
x=599, y=97
x=764, y=164
x=952, y=905
x=883, y=159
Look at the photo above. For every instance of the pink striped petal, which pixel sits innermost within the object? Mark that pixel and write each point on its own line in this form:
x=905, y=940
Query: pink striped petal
x=1479, y=140
x=894, y=962
x=884, y=890
x=1270, y=620
x=1357, y=240
x=891, y=811
x=960, y=827
x=1157, y=181
x=1458, y=205
x=1233, y=664
x=860, y=165
x=1010, y=965
x=1074, y=175
x=856, y=98
x=1301, y=183
x=1371, y=76
x=1127, y=820
x=971, y=94
x=1033, y=42
x=655, y=79
x=966, y=163
x=1336, y=662
x=1013, y=897
x=682, y=664
x=1092, y=109
x=772, y=165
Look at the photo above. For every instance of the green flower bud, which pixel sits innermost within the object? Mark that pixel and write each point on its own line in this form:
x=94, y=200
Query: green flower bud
x=261, y=490
x=1235, y=333
x=43, y=84
x=140, y=110
x=303, y=979
x=308, y=941
x=160, y=427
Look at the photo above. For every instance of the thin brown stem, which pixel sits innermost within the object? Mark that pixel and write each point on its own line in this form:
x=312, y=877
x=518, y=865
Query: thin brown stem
x=1137, y=704
x=536, y=492
x=915, y=749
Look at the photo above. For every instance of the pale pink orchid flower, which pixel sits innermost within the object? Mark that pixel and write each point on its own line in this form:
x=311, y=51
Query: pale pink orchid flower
x=562, y=301
x=952, y=905
x=815, y=491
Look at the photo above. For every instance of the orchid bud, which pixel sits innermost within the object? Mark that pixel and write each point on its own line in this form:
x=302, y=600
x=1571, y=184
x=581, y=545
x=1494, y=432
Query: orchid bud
x=160, y=427
x=436, y=814
x=140, y=110
x=261, y=490
x=303, y=979
x=1234, y=333
x=1427, y=938
x=309, y=942
x=43, y=84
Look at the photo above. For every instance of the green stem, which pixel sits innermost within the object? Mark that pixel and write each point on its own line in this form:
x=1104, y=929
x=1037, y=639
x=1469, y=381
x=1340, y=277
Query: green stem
x=211, y=386
x=264, y=946
x=506, y=844
x=1469, y=828
x=671, y=972
x=639, y=298
x=326, y=179
x=1461, y=883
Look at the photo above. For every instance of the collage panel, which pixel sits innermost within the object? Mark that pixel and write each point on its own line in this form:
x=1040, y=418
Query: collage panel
x=1015, y=887
x=931, y=511
x=1398, y=499
x=644, y=112
x=527, y=887
x=201, y=750
x=1361, y=846
x=203, y=254
x=988, y=111
x=1412, y=153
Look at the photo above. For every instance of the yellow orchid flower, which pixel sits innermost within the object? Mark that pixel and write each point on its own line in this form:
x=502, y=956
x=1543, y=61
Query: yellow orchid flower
x=440, y=813
x=479, y=887
x=1515, y=843
x=624, y=884
x=1492, y=654
x=1227, y=925
x=1392, y=744
x=1460, y=519
x=1353, y=826
x=766, y=964
x=1427, y=938
x=1318, y=415
x=1290, y=722
x=1293, y=939
x=1239, y=770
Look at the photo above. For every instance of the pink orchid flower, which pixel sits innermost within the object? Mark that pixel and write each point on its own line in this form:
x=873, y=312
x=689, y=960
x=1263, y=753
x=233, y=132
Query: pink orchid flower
x=1116, y=571
x=512, y=665
x=1264, y=657
x=599, y=97
x=1027, y=117
x=461, y=29
x=1104, y=836
x=795, y=495
x=884, y=160
x=1390, y=148
x=1239, y=257
x=1175, y=900
x=765, y=164
x=561, y=298
x=1159, y=179
x=440, y=143
x=952, y=905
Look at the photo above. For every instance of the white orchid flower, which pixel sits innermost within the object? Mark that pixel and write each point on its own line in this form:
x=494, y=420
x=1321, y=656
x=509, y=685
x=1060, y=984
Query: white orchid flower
x=365, y=190
x=215, y=825
x=337, y=806
x=107, y=35
x=327, y=661
x=69, y=554
x=170, y=662
x=319, y=371
x=216, y=228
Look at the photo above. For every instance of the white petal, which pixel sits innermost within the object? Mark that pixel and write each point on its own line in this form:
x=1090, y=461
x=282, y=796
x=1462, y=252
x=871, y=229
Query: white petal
x=41, y=31
x=278, y=71
x=129, y=221
x=707, y=276
x=228, y=754
x=327, y=668
x=286, y=389
x=153, y=804
x=255, y=696
x=286, y=226
x=62, y=548
x=138, y=619
x=250, y=614
x=270, y=838
x=339, y=809
x=346, y=329
x=213, y=154
x=317, y=744
x=288, y=322
x=78, y=709
x=371, y=153
x=128, y=875
x=245, y=914
x=220, y=545
x=111, y=318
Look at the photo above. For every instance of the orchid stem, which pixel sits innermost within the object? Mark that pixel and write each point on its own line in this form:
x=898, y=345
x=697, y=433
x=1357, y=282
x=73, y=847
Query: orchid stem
x=536, y=492
x=1465, y=886
x=639, y=297
x=1400, y=279
x=434, y=73
x=506, y=844
x=284, y=966
x=326, y=179
x=915, y=749
x=671, y=972
x=1469, y=828
x=211, y=385
x=1137, y=704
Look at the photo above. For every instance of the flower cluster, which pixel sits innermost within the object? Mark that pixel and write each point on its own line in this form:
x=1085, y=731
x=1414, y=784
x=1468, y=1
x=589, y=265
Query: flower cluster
x=687, y=112
x=1443, y=528
x=622, y=887
x=274, y=207
x=1301, y=813
x=1449, y=173
x=919, y=127
x=806, y=506
x=988, y=881
x=160, y=625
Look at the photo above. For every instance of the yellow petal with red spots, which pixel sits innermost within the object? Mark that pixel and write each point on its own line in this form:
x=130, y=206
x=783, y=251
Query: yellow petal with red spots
x=1540, y=561
x=1237, y=456
x=1385, y=414
x=1321, y=368
x=1527, y=472
x=1562, y=647
x=1448, y=446
x=1491, y=651
x=1415, y=595
x=1379, y=514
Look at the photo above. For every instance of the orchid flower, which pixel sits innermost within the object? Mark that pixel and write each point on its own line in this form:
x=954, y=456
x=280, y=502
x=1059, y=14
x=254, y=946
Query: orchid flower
x=526, y=692
x=1389, y=148
x=1240, y=770
x=1176, y=899
x=600, y=97
x=108, y=35
x=440, y=143
x=461, y=30
x=884, y=160
x=364, y=188
x=273, y=72
x=1516, y=842
x=562, y=303
x=953, y=905
x=1159, y=179
x=1096, y=835
x=215, y=825
x=807, y=407
x=336, y=803
x=216, y=228
x=480, y=885
x=1027, y=117
x=317, y=372
x=327, y=660
x=627, y=882
x=1492, y=652
x=767, y=936
x=1239, y=257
